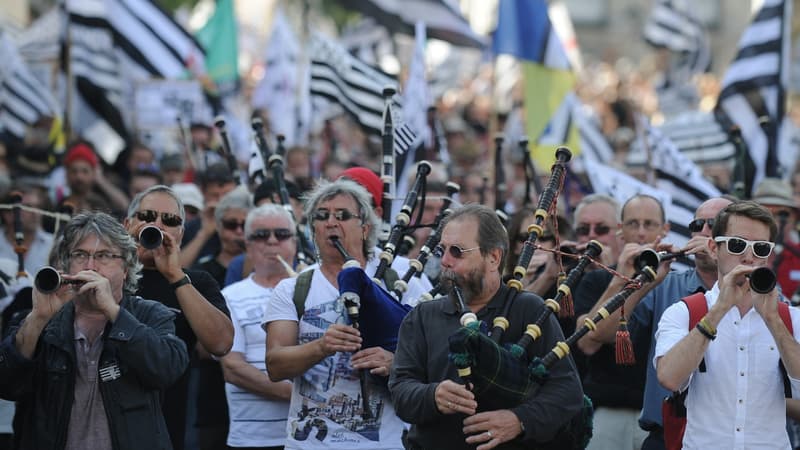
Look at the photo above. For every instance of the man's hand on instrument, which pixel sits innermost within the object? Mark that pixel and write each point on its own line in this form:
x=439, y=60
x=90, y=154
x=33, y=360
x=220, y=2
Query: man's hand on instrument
x=377, y=359
x=340, y=338
x=451, y=398
x=492, y=428
x=697, y=244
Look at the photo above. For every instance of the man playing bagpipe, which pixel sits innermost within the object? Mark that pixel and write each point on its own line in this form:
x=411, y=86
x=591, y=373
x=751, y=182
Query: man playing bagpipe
x=426, y=388
x=339, y=397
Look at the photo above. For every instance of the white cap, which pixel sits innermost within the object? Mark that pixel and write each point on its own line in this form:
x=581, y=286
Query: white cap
x=189, y=194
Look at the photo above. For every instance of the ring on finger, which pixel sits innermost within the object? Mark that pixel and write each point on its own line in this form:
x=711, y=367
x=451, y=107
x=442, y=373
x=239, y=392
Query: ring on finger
x=449, y=405
x=489, y=433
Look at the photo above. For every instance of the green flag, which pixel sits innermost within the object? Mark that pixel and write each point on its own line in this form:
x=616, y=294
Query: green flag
x=219, y=38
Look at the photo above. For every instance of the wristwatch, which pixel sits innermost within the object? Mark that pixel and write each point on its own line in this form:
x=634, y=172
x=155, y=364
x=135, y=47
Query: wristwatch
x=185, y=280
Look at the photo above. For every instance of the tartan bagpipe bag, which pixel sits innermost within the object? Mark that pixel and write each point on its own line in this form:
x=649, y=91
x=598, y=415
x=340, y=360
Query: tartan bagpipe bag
x=502, y=380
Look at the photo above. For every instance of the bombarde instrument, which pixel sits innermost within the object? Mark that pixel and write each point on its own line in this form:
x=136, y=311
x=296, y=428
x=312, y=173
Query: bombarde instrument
x=151, y=237
x=219, y=122
x=416, y=266
x=762, y=280
x=387, y=168
x=371, y=310
x=304, y=249
x=48, y=280
x=403, y=219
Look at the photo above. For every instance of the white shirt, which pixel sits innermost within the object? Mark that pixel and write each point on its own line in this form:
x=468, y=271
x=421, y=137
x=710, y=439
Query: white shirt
x=325, y=410
x=254, y=420
x=738, y=403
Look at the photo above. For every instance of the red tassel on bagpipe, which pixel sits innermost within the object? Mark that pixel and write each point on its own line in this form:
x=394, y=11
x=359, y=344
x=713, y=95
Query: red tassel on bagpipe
x=623, y=343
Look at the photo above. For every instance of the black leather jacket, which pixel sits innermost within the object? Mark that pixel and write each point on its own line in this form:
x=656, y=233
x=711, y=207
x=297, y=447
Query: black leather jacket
x=141, y=356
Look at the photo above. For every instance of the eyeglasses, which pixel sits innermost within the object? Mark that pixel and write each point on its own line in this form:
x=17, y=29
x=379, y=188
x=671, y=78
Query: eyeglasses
x=697, y=225
x=599, y=229
x=634, y=224
x=263, y=234
x=454, y=250
x=232, y=224
x=168, y=219
x=102, y=257
x=340, y=214
x=737, y=246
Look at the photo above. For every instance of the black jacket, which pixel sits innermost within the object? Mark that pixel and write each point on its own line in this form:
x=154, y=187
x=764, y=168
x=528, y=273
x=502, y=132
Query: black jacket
x=141, y=344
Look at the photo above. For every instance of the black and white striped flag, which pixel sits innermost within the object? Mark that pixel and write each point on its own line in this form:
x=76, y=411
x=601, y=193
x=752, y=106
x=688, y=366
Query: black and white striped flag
x=672, y=25
x=23, y=99
x=754, y=87
x=344, y=79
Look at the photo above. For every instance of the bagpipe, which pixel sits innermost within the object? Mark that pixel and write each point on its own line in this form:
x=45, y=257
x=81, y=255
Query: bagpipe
x=371, y=310
x=417, y=265
x=227, y=153
x=387, y=167
x=403, y=219
x=502, y=377
x=274, y=163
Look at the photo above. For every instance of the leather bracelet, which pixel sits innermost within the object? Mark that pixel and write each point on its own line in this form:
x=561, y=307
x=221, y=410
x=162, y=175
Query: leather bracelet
x=705, y=332
x=181, y=282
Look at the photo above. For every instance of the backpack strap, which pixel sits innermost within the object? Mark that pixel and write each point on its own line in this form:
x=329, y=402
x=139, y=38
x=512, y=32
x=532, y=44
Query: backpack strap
x=303, y=285
x=786, y=316
x=301, y=288
x=697, y=309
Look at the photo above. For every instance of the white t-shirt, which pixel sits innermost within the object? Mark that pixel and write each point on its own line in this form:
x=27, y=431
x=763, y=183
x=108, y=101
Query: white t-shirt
x=326, y=409
x=254, y=420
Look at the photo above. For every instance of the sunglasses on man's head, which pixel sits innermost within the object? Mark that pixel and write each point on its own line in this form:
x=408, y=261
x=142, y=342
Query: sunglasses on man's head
x=150, y=216
x=454, y=250
x=585, y=228
x=737, y=246
x=263, y=234
x=232, y=224
x=341, y=215
x=696, y=225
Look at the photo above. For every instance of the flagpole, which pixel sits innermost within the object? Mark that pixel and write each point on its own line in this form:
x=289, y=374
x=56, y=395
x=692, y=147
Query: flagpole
x=70, y=80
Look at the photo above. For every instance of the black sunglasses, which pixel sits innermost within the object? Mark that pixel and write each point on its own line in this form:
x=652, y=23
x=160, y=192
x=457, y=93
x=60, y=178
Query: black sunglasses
x=232, y=224
x=585, y=228
x=263, y=234
x=150, y=216
x=454, y=250
x=696, y=225
x=340, y=214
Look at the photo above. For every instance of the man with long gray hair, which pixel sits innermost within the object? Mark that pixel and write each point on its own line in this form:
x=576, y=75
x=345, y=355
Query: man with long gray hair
x=88, y=363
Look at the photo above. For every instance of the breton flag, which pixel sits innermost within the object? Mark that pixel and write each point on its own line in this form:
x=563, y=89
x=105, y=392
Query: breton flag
x=754, y=88
x=525, y=32
x=112, y=45
x=675, y=173
x=357, y=87
x=672, y=25
x=573, y=117
x=442, y=18
x=24, y=100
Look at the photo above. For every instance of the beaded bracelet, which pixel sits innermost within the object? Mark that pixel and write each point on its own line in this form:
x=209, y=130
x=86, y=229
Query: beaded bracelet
x=705, y=331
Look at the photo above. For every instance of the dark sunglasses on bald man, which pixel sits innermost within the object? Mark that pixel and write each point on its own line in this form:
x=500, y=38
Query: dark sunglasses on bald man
x=454, y=250
x=263, y=234
x=150, y=216
x=696, y=225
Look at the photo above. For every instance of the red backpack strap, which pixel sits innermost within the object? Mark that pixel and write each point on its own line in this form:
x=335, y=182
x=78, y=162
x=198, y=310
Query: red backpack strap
x=697, y=309
x=786, y=316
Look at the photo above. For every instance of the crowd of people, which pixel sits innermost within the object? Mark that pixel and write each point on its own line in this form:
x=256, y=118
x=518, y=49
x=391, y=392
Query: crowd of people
x=222, y=336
